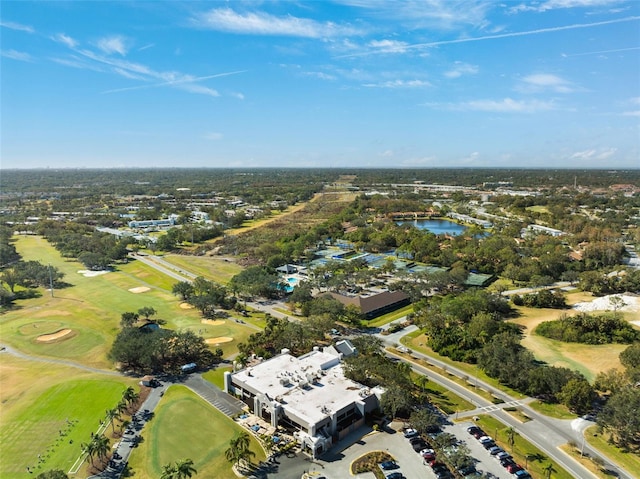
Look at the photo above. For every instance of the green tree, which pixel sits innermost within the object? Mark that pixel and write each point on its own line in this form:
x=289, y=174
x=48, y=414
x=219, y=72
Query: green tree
x=630, y=357
x=111, y=416
x=128, y=319
x=147, y=312
x=620, y=416
x=169, y=472
x=52, y=474
x=578, y=396
x=395, y=400
x=184, y=469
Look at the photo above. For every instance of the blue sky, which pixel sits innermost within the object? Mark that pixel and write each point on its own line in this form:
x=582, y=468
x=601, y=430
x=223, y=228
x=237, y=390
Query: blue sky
x=344, y=83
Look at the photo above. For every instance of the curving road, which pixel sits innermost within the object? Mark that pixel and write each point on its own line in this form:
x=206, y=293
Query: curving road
x=544, y=432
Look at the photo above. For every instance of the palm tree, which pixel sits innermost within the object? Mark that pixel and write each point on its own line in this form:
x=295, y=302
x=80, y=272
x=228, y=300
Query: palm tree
x=243, y=441
x=231, y=454
x=112, y=414
x=184, y=468
x=123, y=425
x=169, y=472
x=548, y=469
x=101, y=444
x=130, y=396
x=122, y=407
x=90, y=449
x=511, y=437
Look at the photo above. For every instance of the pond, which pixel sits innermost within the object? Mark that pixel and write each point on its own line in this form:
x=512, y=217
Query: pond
x=438, y=227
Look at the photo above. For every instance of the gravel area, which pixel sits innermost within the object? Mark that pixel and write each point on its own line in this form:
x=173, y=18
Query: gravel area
x=631, y=303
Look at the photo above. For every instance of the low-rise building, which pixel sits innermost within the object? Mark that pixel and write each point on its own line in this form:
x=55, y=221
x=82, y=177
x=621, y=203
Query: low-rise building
x=309, y=395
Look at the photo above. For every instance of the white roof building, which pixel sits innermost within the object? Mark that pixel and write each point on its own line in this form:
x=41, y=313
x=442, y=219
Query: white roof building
x=308, y=394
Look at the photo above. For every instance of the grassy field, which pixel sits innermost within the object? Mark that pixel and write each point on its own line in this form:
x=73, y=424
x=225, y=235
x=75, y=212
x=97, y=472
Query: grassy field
x=628, y=460
x=387, y=318
x=588, y=359
x=209, y=267
x=186, y=427
x=91, y=309
x=43, y=411
x=444, y=399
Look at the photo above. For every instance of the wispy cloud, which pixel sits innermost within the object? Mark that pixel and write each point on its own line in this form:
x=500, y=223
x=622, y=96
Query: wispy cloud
x=545, y=82
x=562, y=4
x=388, y=46
x=320, y=75
x=460, y=68
x=65, y=39
x=146, y=47
x=213, y=136
x=262, y=23
x=16, y=55
x=17, y=26
x=593, y=154
x=418, y=46
x=113, y=44
x=599, y=52
x=399, y=84
x=632, y=103
x=438, y=14
x=506, y=105
x=179, y=80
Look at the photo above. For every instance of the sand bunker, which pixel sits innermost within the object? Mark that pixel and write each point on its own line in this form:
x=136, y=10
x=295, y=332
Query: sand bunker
x=629, y=303
x=90, y=274
x=219, y=340
x=186, y=306
x=47, y=338
x=139, y=289
x=212, y=322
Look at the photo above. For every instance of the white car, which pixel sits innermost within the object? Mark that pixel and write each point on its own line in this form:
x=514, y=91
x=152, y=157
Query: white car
x=410, y=432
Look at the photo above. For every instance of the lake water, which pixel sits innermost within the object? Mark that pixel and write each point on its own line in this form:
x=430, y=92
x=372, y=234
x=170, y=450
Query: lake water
x=438, y=227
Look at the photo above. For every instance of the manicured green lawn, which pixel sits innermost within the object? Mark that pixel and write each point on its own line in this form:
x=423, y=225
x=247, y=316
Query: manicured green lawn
x=53, y=421
x=446, y=400
x=628, y=460
x=211, y=268
x=387, y=318
x=216, y=376
x=186, y=427
x=557, y=411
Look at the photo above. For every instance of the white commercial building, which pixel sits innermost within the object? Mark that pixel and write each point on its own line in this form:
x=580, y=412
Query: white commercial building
x=308, y=394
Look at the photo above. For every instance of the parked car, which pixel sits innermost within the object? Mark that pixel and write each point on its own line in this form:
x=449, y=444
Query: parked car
x=428, y=457
x=522, y=474
x=473, y=430
x=488, y=445
x=507, y=462
x=495, y=450
x=502, y=455
x=467, y=470
x=419, y=446
x=410, y=432
x=388, y=465
x=483, y=439
x=395, y=475
x=513, y=468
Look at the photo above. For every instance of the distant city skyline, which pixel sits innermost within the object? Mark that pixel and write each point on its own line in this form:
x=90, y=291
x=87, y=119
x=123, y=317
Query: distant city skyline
x=320, y=84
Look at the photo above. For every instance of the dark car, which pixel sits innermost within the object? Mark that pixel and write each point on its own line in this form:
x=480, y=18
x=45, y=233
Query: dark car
x=474, y=429
x=388, y=465
x=507, y=462
x=465, y=471
x=513, y=468
x=488, y=445
x=395, y=475
x=419, y=445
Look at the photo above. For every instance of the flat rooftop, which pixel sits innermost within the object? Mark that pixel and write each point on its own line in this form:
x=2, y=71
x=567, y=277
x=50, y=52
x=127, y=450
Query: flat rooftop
x=312, y=386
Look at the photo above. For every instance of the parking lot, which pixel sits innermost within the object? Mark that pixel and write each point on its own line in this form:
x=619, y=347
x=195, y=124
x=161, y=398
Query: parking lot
x=336, y=463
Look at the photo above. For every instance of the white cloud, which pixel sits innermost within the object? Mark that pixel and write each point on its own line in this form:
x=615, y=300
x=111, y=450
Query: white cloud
x=506, y=105
x=16, y=55
x=388, y=46
x=320, y=75
x=545, y=82
x=438, y=14
x=420, y=46
x=261, y=23
x=65, y=39
x=461, y=68
x=17, y=26
x=146, y=47
x=213, y=135
x=593, y=154
x=631, y=113
x=561, y=4
x=238, y=95
x=399, y=84
x=113, y=44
